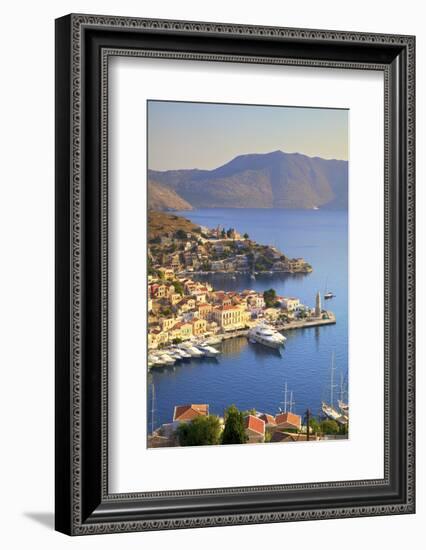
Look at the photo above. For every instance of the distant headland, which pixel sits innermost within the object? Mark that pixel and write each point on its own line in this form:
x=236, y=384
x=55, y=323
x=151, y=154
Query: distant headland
x=268, y=180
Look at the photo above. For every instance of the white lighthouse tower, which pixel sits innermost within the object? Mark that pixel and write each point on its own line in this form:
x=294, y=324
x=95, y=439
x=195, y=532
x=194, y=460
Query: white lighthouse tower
x=318, y=305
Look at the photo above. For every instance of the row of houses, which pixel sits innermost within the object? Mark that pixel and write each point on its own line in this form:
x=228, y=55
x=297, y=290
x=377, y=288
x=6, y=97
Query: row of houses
x=285, y=426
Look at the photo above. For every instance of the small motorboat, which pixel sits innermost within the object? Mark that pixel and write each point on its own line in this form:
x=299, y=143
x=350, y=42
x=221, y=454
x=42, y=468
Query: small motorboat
x=208, y=351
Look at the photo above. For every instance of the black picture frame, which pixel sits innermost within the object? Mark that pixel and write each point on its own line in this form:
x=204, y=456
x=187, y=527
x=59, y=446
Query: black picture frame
x=83, y=45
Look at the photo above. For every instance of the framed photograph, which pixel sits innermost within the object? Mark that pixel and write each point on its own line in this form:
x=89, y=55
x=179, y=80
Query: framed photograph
x=234, y=274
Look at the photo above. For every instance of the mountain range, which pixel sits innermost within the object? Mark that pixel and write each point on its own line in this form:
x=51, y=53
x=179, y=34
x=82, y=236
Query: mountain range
x=269, y=180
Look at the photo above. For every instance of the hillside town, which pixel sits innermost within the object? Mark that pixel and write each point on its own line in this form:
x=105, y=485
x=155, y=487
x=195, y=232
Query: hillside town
x=182, y=309
x=203, y=250
x=188, y=318
x=192, y=424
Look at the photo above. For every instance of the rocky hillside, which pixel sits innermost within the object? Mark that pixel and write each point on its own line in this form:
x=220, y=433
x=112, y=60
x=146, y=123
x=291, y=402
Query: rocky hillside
x=161, y=197
x=161, y=223
x=271, y=180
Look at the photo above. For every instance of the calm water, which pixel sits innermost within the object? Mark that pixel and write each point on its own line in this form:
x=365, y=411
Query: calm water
x=250, y=375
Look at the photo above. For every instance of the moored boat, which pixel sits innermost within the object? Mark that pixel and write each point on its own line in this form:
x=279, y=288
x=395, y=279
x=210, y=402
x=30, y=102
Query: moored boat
x=166, y=359
x=329, y=409
x=192, y=350
x=208, y=351
x=266, y=335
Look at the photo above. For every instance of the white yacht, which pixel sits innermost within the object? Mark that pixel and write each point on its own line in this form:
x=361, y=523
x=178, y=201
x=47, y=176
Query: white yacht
x=154, y=360
x=193, y=351
x=208, y=351
x=182, y=353
x=166, y=359
x=266, y=335
x=330, y=412
x=174, y=354
x=344, y=407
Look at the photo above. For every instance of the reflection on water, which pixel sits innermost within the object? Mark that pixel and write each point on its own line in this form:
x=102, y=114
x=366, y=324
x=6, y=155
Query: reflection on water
x=233, y=346
x=260, y=350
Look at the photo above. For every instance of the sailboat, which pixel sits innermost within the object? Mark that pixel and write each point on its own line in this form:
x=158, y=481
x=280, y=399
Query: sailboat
x=327, y=293
x=288, y=404
x=343, y=405
x=328, y=409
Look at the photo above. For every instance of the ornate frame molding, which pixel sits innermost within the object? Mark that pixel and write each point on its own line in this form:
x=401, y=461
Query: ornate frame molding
x=73, y=516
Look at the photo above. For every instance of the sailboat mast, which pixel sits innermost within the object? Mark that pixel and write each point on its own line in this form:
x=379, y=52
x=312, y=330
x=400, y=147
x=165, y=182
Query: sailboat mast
x=332, y=379
x=292, y=403
x=285, y=403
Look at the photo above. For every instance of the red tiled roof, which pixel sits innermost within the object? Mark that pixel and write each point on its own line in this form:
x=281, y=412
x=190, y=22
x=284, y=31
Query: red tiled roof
x=189, y=412
x=279, y=437
x=226, y=308
x=268, y=418
x=288, y=418
x=254, y=424
x=180, y=324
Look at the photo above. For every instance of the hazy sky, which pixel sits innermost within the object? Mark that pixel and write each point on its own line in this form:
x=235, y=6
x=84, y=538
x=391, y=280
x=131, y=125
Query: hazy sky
x=207, y=135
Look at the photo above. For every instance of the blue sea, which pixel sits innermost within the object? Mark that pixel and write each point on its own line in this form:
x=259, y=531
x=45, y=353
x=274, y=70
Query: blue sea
x=250, y=375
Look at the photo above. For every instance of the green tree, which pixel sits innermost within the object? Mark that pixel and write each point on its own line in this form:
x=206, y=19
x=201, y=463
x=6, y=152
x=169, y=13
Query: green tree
x=314, y=425
x=178, y=287
x=270, y=297
x=229, y=232
x=253, y=412
x=246, y=236
x=234, y=431
x=223, y=233
x=343, y=429
x=203, y=430
x=329, y=427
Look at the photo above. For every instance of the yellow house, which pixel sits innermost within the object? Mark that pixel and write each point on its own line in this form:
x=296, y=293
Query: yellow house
x=167, y=323
x=230, y=317
x=152, y=340
x=167, y=273
x=291, y=304
x=160, y=291
x=181, y=330
x=199, y=327
x=204, y=310
x=175, y=298
x=157, y=338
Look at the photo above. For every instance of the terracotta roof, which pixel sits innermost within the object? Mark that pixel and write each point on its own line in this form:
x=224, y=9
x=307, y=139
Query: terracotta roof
x=189, y=412
x=279, y=437
x=180, y=324
x=268, y=418
x=226, y=308
x=254, y=424
x=288, y=418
